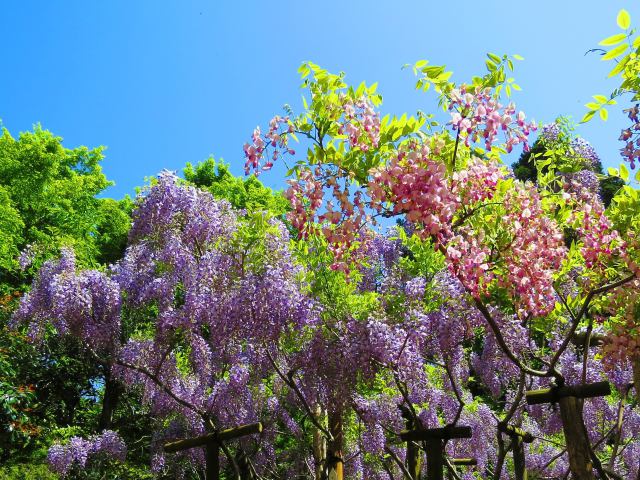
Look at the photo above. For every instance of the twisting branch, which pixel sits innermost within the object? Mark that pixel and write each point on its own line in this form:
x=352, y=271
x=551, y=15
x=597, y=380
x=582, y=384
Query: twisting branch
x=155, y=379
x=290, y=382
x=578, y=317
x=395, y=458
x=503, y=344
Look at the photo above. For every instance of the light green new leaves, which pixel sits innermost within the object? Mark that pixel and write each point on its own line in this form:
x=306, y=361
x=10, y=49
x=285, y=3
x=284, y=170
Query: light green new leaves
x=598, y=107
x=624, y=19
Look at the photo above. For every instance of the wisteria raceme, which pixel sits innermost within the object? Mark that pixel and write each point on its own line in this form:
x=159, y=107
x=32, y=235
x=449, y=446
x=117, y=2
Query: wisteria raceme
x=477, y=181
x=276, y=138
x=600, y=241
x=631, y=150
x=476, y=115
x=536, y=251
x=578, y=150
x=415, y=186
x=361, y=123
x=62, y=458
x=84, y=304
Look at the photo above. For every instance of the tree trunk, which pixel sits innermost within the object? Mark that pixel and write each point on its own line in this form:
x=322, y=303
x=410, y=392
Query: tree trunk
x=335, y=451
x=112, y=390
x=319, y=445
x=575, y=434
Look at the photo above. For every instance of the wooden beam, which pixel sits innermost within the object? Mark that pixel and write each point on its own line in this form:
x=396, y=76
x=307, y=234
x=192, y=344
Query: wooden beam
x=464, y=461
x=446, y=433
x=554, y=394
x=515, y=432
x=215, y=437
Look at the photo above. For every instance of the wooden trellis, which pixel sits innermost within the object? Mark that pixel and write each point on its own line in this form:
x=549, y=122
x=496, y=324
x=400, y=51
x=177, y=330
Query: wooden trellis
x=518, y=439
x=570, y=398
x=434, y=446
x=211, y=442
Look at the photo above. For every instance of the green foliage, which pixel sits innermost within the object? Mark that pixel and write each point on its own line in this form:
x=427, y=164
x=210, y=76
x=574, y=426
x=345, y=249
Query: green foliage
x=48, y=199
x=243, y=193
x=27, y=471
x=53, y=189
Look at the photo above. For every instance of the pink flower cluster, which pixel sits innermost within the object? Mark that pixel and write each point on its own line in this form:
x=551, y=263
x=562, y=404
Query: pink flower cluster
x=476, y=114
x=305, y=194
x=340, y=227
x=600, y=241
x=276, y=137
x=536, y=250
x=469, y=260
x=416, y=186
x=477, y=182
x=362, y=124
x=631, y=137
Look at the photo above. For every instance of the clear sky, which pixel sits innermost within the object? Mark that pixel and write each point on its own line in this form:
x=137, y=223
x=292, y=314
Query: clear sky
x=164, y=82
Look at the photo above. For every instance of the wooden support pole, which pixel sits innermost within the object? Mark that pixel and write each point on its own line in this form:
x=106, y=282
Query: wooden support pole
x=435, y=459
x=576, y=438
x=570, y=400
x=413, y=460
x=518, y=438
x=519, y=464
x=434, y=446
x=212, y=461
x=335, y=458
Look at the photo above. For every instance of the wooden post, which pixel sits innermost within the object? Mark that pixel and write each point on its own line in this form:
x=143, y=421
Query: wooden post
x=434, y=446
x=435, y=460
x=518, y=439
x=570, y=398
x=212, y=460
x=335, y=458
x=211, y=442
x=413, y=461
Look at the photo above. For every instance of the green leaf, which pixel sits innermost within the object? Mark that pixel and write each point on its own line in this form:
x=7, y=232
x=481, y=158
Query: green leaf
x=613, y=172
x=600, y=98
x=616, y=52
x=617, y=69
x=420, y=63
x=613, y=40
x=588, y=116
x=491, y=66
x=518, y=57
x=494, y=57
x=637, y=176
x=604, y=114
x=592, y=106
x=624, y=19
x=624, y=172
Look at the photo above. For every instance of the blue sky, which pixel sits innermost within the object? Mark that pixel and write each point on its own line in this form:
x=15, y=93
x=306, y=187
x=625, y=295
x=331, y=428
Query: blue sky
x=161, y=83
